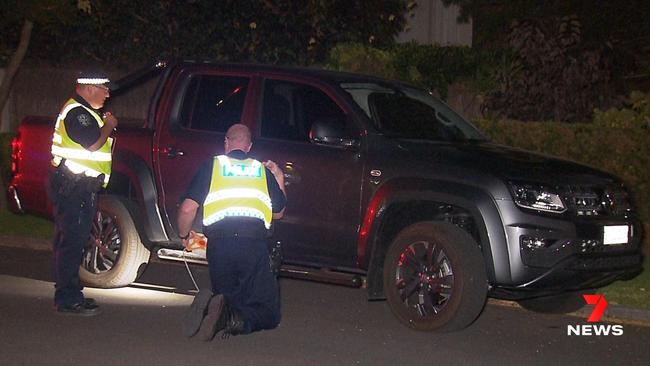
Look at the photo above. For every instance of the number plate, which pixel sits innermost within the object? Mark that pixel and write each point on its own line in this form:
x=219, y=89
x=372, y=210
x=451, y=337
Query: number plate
x=617, y=234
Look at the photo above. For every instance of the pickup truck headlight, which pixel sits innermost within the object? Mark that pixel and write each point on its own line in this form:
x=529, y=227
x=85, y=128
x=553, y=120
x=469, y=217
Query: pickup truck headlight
x=537, y=197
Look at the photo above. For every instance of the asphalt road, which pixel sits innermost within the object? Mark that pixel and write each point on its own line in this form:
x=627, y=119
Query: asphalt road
x=322, y=325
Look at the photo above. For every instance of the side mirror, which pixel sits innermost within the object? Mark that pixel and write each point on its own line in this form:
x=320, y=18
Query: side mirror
x=331, y=132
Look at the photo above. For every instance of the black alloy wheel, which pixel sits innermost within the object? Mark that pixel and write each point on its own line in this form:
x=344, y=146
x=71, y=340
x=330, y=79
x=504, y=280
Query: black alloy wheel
x=424, y=278
x=103, y=249
x=114, y=254
x=434, y=277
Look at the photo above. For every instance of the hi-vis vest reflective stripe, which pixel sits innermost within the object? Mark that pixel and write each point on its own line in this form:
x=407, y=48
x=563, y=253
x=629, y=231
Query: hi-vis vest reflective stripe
x=238, y=189
x=78, y=159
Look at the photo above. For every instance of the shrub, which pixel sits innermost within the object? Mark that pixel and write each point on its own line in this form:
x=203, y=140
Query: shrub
x=431, y=67
x=359, y=58
x=554, y=76
x=636, y=113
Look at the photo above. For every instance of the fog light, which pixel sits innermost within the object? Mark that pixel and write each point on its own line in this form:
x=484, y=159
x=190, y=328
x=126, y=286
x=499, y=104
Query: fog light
x=588, y=245
x=533, y=243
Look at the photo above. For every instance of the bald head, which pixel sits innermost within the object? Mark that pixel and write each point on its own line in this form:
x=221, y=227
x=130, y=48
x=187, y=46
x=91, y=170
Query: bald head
x=238, y=137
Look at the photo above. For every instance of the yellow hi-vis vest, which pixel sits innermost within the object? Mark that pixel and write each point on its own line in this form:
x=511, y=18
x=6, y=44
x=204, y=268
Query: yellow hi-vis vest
x=77, y=158
x=238, y=189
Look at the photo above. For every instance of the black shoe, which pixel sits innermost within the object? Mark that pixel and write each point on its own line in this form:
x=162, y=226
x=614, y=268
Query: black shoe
x=232, y=323
x=193, y=318
x=84, y=308
x=211, y=325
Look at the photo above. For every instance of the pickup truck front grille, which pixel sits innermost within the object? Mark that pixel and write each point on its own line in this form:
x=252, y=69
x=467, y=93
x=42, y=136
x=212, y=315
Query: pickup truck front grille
x=596, y=201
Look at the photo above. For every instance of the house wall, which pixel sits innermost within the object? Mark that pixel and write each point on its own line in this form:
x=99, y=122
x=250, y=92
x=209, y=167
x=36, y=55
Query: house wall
x=41, y=91
x=433, y=23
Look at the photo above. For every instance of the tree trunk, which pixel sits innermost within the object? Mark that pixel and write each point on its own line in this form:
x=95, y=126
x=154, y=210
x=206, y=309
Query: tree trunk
x=14, y=64
x=5, y=87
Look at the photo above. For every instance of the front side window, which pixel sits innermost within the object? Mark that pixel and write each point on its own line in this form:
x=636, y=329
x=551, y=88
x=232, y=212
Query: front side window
x=290, y=109
x=213, y=102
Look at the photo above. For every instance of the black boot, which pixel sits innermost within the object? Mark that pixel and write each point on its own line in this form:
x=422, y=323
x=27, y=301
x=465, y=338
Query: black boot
x=233, y=323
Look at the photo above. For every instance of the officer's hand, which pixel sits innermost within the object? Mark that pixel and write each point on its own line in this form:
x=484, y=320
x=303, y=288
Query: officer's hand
x=110, y=120
x=275, y=169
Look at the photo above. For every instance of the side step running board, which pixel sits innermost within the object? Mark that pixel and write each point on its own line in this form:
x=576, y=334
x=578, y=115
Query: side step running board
x=289, y=271
x=181, y=255
x=322, y=275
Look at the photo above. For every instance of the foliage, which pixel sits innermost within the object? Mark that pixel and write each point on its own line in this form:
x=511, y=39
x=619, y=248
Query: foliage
x=431, y=67
x=636, y=113
x=611, y=32
x=554, y=76
x=434, y=67
x=270, y=31
x=46, y=14
x=624, y=24
x=24, y=15
x=360, y=58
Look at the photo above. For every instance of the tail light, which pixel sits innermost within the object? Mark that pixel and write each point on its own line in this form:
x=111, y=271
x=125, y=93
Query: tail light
x=16, y=145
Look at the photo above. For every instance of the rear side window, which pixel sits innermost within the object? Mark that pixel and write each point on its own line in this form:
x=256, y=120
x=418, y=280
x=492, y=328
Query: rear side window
x=213, y=102
x=289, y=110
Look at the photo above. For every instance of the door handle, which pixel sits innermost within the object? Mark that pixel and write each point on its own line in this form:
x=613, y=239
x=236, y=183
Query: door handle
x=290, y=175
x=172, y=152
x=291, y=179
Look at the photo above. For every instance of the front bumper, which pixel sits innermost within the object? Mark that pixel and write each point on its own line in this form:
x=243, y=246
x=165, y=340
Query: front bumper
x=551, y=255
x=574, y=274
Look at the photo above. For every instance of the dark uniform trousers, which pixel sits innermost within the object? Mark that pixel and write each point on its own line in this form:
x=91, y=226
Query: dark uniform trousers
x=75, y=206
x=239, y=269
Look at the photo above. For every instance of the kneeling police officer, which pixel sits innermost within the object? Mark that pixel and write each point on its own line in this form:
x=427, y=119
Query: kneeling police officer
x=240, y=197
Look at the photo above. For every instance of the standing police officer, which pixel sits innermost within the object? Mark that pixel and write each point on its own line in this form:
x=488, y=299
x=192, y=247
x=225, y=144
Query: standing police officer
x=81, y=160
x=240, y=197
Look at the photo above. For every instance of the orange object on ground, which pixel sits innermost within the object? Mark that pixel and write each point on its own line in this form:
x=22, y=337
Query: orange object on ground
x=197, y=243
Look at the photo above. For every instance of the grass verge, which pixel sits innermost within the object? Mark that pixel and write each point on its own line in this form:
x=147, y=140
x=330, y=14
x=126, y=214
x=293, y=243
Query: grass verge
x=634, y=293
x=25, y=225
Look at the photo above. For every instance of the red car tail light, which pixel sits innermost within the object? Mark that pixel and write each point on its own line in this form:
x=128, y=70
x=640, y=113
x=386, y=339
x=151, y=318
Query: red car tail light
x=16, y=145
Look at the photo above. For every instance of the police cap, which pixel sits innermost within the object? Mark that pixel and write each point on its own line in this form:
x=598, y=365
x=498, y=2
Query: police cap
x=93, y=75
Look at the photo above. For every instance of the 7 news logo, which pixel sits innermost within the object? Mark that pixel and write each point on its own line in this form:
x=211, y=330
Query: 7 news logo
x=595, y=316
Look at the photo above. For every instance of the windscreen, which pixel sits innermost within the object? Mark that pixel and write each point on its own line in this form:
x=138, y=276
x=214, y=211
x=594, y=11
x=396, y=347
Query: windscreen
x=409, y=113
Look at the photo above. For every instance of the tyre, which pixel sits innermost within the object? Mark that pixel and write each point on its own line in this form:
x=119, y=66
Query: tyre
x=434, y=277
x=554, y=304
x=114, y=253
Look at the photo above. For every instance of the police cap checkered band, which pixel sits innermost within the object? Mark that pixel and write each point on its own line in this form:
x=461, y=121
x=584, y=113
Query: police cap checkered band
x=93, y=76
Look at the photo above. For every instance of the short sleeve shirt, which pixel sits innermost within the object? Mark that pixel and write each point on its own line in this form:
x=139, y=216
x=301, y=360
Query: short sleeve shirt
x=200, y=185
x=80, y=125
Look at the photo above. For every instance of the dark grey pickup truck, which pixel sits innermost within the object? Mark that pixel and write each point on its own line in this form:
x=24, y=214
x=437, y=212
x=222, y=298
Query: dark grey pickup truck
x=388, y=189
